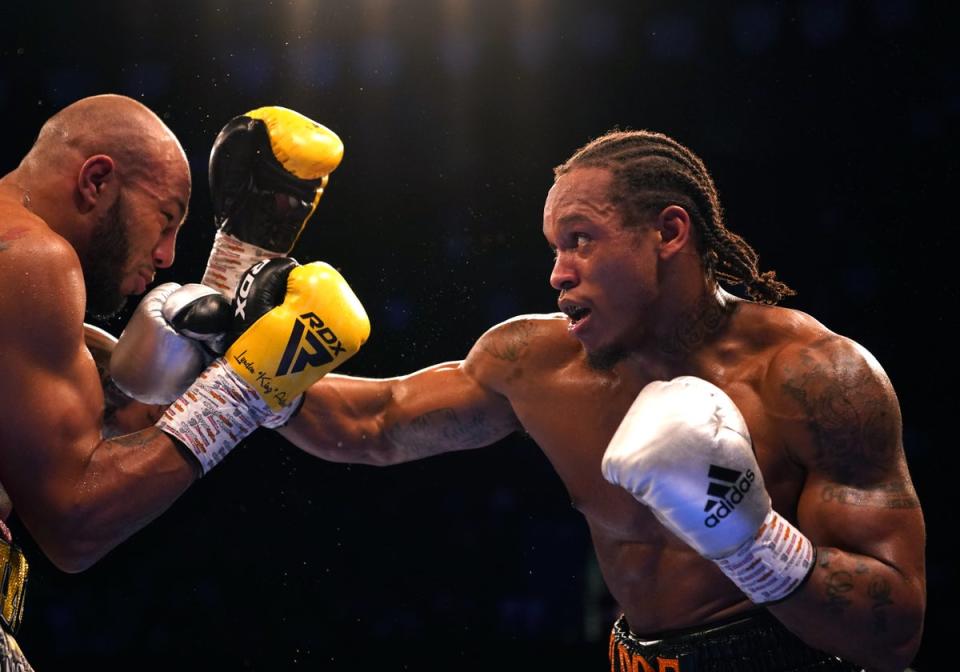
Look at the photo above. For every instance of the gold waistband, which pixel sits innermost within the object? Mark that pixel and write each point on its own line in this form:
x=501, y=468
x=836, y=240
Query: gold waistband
x=13, y=584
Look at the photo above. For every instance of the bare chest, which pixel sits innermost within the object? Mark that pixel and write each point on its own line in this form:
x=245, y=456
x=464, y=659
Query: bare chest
x=573, y=412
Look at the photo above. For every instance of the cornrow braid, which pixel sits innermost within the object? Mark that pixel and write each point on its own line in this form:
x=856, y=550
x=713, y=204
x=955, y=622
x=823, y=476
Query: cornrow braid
x=652, y=171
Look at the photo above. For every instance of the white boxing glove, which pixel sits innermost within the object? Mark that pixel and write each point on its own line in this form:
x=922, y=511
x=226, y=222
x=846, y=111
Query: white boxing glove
x=684, y=450
x=172, y=336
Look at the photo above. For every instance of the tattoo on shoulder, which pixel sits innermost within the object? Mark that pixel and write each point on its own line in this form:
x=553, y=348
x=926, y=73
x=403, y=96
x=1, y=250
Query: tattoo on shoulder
x=848, y=410
x=894, y=495
x=8, y=235
x=510, y=341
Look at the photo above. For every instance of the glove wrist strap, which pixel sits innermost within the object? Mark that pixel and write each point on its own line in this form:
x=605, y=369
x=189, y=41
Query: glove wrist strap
x=229, y=258
x=772, y=564
x=215, y=413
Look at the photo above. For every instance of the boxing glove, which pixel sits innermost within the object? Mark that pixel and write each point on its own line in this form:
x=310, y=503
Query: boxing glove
x=171, y=337
x=268, y=169
x=317, y=325
x=684, y=450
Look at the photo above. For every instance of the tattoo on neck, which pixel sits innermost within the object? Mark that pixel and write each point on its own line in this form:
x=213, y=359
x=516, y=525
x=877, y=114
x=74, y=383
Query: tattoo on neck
x=695, y=327
x=893, y=495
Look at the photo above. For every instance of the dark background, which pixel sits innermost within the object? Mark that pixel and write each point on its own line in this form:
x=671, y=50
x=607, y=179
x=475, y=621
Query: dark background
x=831, y=131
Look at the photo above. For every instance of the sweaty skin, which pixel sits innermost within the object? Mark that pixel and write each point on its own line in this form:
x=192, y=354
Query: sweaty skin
x=823, y=417
x=104, y=159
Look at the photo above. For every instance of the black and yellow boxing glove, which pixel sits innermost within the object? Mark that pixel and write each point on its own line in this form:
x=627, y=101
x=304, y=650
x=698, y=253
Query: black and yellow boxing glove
x=315, y=324
x=268, y=169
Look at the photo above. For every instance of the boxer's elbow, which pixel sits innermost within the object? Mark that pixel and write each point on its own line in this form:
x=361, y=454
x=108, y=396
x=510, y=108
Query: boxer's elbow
x=70, y=552
x=71, y=538
x=70, y=560
x=897, y=646
x=910, y=630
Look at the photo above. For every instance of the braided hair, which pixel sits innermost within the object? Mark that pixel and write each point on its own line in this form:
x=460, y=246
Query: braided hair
x=652, y=171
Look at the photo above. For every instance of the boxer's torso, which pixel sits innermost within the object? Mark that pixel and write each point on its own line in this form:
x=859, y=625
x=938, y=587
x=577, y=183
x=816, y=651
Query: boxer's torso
x=572, y=411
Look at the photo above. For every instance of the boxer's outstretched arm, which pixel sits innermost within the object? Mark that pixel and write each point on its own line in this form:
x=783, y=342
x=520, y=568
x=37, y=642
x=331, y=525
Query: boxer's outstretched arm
x=440, y=409
x=866, y=596
x=77, y=494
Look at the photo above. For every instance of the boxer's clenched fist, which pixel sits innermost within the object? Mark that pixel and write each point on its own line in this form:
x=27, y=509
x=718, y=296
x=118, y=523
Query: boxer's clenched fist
x=172, y=336
x=298, y=323
x=684, y=450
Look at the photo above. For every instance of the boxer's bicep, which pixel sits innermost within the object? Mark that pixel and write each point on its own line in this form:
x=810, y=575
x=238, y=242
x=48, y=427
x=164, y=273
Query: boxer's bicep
x=52, y=399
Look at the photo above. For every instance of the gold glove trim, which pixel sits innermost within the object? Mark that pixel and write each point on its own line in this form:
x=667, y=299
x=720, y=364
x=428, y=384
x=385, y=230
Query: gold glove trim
x=13, y=585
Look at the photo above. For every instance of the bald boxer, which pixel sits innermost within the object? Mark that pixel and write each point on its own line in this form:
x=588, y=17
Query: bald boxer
x=739, y=465
x=85, y=220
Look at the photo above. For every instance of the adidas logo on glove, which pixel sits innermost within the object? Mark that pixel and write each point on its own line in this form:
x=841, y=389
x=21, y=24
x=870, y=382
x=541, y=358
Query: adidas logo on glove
x=728, y=487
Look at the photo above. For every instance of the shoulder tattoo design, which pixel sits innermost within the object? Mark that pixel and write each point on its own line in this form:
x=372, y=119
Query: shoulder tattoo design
x=509, y=342
x=848, y=412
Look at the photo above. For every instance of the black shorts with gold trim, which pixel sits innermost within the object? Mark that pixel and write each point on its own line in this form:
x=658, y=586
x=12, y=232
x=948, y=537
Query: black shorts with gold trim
x=757, y=642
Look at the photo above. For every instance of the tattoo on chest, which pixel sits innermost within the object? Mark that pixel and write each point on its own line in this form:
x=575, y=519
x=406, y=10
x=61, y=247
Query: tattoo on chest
x=510, y=344
x=895, y=495
x=848, y=415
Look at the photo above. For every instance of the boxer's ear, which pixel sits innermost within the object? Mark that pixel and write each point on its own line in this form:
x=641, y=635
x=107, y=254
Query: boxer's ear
x=675, y=229
x=96, y=181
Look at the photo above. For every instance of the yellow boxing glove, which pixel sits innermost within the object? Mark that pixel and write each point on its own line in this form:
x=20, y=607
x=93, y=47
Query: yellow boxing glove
x=281, y=350
x=292, y=325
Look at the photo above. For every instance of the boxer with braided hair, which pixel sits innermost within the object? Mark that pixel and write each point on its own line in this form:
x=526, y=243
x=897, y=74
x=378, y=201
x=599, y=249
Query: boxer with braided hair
x=740, y=466
x=652, y=170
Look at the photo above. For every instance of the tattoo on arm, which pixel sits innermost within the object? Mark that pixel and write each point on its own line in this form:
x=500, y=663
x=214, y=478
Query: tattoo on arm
x=849, y=414
x=879, y=592
x=894, y=495
x=443, y=430
x=838, y=585
x=135, y=440
x=511, y=343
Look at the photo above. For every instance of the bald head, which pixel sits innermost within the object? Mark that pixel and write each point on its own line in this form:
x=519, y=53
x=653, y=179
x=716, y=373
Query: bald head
x=113, y=125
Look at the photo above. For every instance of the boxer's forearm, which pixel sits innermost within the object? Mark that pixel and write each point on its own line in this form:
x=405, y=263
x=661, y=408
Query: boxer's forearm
x=858, y=608
x=382, y=422
x=124, y=484
x=342, y=420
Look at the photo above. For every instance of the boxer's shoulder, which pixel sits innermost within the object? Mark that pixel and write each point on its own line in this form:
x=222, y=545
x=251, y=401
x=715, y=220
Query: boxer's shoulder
x=531, y=342
x=835, y=404
x=41, y=281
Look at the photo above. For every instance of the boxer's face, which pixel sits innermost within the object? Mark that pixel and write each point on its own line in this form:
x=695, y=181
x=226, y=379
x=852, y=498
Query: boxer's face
x=605, y=272
x=134, y=236
x=158, y=209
